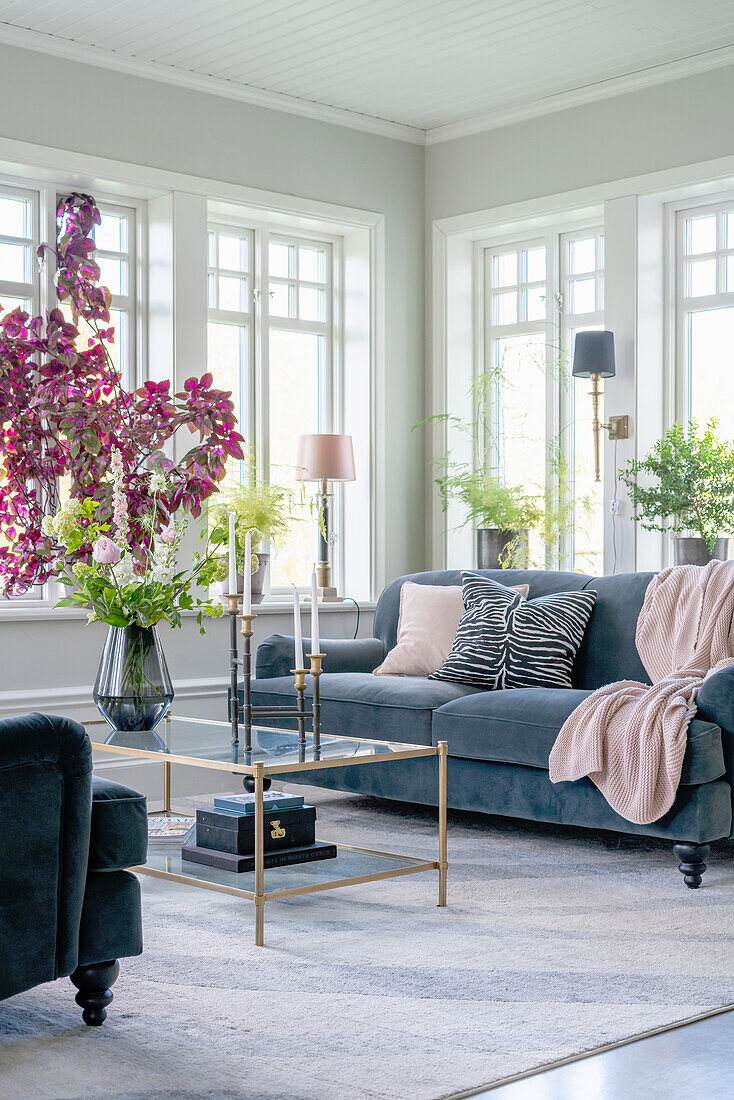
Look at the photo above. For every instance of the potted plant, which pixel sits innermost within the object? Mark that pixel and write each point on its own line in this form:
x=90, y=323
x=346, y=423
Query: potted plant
x=501, y=514
x=264, y=510
x=685, y=486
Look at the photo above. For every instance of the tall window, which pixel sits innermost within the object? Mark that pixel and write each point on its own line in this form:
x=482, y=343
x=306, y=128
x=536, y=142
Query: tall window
x=705, y=315
x=18, y=270
x=538, y=294
x=582, y=308
x=271, y=342
x=116, y=255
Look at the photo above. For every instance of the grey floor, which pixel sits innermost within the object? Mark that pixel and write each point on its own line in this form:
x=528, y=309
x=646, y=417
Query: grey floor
x=693, y=1062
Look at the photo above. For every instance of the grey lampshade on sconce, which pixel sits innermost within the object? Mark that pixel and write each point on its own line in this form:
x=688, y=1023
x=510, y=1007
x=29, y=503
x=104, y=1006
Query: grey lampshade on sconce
x=593, y=357
x=593, y=354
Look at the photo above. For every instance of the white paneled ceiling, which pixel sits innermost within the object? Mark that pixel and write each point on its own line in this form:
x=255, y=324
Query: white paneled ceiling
x=423, y=64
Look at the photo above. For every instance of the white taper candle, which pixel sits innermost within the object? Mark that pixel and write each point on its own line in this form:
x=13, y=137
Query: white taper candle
x=315, y=642
x=297, y=629
x=232, y=589
x=248, y=574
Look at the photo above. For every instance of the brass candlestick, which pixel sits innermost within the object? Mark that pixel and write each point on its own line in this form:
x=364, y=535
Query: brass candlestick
x=315, y=660
x=300, y=685
x=246, y=631
x=233, y=601
x=246, y=712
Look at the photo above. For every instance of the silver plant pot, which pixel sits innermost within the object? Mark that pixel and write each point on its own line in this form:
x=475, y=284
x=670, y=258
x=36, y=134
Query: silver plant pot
x=257, y=583
x=258, y=579
x=694, y=551
x=498, y=549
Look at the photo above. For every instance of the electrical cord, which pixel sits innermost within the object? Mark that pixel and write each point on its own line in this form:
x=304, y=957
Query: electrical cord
x=615, y=509
x=356, y=629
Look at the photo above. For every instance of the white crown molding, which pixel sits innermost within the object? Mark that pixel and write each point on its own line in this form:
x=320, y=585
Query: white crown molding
x=244, y=93
x=578, y=97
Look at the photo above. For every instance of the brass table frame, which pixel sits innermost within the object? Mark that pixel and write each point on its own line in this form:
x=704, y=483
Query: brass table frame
x=259, y=771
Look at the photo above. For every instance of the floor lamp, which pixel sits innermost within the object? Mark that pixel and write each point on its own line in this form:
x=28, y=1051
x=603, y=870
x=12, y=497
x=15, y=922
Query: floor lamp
x=325, y=458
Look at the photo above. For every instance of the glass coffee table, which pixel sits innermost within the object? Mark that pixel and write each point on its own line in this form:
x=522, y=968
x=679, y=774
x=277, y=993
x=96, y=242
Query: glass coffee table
x=201, y=743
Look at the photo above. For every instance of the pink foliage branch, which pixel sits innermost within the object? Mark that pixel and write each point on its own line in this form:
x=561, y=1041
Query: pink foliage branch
x=63, y=408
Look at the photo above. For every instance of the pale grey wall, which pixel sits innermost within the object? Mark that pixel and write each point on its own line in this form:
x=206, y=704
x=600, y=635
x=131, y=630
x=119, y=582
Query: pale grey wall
x=680, y=123
x=683, y=122
x=82, y=108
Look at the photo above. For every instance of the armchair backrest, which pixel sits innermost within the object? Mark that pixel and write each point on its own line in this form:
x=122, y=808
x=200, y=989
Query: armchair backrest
x=45, y=814
x=608, y=652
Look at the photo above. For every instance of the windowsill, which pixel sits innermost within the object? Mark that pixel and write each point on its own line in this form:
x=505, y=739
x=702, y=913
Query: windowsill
x=29, y=613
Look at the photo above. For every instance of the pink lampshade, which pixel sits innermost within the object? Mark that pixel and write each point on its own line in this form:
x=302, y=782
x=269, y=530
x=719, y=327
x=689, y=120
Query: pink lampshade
x=325, y=458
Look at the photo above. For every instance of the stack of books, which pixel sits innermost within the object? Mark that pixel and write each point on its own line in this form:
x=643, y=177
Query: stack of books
x=224, y=835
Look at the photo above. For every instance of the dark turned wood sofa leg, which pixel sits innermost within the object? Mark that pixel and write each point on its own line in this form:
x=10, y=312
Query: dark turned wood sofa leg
x=692, y=863
x=95, y=994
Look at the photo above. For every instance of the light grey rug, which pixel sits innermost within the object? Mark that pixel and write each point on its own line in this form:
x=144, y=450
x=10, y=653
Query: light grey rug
x=555, y=941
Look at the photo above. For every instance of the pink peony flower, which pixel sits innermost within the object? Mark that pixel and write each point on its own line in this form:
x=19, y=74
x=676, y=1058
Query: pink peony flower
x=169, y=536
x=106, y=552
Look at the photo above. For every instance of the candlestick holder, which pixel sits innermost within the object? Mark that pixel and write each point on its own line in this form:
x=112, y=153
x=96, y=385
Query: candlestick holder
x=244, y=714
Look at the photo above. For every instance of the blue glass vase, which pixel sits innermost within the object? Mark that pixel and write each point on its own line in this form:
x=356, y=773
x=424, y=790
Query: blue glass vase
x=133, y=690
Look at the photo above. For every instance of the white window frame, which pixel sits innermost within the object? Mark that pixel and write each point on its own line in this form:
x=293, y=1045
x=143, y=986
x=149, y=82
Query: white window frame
x=44, y=204
x=682, y=305
x=256, y=399
x=556, y=326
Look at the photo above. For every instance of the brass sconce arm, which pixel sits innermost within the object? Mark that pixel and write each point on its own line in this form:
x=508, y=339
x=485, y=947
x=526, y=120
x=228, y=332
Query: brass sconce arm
x=618, y=426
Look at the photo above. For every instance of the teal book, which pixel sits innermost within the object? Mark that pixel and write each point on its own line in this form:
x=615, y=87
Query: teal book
x=245, y=803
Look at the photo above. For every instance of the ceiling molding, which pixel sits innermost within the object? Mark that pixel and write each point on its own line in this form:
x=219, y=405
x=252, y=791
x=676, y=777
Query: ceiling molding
x=605, y=89
x=167, y=74
x=577, y=97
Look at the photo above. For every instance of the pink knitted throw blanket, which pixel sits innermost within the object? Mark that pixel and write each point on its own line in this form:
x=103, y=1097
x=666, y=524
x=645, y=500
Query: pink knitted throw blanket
x=630, y=738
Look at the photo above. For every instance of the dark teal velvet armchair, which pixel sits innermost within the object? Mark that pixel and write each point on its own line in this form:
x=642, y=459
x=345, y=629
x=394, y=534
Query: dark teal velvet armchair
x=499, y=741
x=67, y=906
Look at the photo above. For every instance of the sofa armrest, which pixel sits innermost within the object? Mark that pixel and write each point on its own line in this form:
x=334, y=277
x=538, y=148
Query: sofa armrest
x=715, y=700
x=276, y=655
x=45, y=813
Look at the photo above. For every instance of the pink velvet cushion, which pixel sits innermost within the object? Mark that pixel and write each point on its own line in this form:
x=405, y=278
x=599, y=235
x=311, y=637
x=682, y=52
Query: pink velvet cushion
x=427, y=625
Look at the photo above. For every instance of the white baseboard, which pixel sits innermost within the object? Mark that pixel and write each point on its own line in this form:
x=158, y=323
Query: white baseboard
x=76, y=702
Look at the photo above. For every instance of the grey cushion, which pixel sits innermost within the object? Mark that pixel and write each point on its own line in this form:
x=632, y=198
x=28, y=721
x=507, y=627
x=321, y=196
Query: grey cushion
x=608, y=652
x=119, y=836
x=520, y=727
x=358, y=704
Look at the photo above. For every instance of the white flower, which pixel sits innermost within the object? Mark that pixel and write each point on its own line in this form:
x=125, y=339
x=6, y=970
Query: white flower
x=124, y=571
x=48, y=526
x=158, y=482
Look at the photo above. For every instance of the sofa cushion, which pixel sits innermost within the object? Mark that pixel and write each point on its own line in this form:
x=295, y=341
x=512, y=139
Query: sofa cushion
x=520, y=727
x=358, y=704
x=608, y=652
x=505, y=641
x=119, y=836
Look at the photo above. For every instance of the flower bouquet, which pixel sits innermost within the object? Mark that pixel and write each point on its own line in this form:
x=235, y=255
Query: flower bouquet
x=132, y=583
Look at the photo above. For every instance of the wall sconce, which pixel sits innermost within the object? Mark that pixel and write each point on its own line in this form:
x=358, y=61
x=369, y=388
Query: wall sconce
x=593, y=357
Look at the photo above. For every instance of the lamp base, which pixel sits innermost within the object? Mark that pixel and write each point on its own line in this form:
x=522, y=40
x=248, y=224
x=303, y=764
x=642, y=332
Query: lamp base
x=328, y=595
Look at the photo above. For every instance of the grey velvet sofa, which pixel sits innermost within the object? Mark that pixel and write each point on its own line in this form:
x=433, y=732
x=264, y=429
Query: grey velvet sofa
x=499, y=741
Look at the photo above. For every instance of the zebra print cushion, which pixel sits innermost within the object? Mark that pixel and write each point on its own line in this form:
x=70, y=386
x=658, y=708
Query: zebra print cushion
x=505, y=641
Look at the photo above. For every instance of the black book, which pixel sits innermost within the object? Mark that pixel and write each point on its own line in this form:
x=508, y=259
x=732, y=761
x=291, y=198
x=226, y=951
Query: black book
x=226, y=861
x=231, y=832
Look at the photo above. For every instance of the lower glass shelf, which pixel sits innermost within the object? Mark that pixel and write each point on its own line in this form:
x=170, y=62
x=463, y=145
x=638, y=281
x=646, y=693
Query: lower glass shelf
x=351, y=865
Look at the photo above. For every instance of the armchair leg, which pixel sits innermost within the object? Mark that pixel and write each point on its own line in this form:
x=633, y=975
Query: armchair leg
x=95, y=995
x=692, y=862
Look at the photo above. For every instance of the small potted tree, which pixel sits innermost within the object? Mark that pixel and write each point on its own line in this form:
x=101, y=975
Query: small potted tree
x=685, y=486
